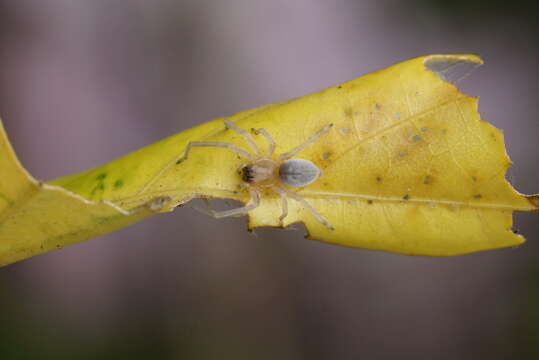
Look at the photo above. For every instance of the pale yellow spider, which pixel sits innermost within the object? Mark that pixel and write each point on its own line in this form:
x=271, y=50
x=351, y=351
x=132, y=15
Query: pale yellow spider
x=263, y=171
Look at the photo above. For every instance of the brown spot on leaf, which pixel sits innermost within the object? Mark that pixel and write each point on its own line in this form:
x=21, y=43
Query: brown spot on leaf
x=427, y=180
x=369, y=202
x=348, y=112
x=326, y=155
x=477, y=196
x=406, y=197
x=378, y=179
x=416, y=138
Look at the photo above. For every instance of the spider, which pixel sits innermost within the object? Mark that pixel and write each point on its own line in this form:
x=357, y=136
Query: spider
x=266, y=171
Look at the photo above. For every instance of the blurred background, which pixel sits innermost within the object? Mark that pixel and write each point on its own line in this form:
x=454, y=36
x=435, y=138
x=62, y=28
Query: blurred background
x=83, y=82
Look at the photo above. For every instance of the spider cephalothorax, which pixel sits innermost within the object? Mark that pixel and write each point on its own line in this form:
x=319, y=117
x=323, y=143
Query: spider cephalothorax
x=260, y=172
x=263, y=171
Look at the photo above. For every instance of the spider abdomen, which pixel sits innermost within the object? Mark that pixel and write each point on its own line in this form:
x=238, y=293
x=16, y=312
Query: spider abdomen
x=298, y=172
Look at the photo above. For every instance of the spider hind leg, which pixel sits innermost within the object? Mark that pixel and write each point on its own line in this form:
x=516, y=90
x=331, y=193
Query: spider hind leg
x=253, y=203
x=306, y=143
x=287, y=193
x=284, y=204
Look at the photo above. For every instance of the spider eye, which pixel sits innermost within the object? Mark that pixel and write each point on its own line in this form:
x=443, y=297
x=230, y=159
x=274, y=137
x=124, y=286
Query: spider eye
x=247, y=174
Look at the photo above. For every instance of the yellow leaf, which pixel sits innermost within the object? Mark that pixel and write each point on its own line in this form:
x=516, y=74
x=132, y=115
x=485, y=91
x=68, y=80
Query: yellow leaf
x=37, y=217
x=407, y=166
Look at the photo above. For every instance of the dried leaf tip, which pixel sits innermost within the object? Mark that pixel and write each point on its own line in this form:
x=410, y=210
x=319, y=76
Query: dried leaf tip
x=452, y=68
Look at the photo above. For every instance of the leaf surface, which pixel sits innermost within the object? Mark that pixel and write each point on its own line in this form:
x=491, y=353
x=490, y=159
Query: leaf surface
x=36, y=217
x=407, y=167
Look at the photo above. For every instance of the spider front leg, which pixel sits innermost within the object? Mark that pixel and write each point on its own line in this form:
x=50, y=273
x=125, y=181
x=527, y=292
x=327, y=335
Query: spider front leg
x=269, y=139
x=235, y=149
x=252, y=143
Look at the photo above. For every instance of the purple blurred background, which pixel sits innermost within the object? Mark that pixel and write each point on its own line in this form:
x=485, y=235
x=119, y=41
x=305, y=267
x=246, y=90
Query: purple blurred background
x=83, y=82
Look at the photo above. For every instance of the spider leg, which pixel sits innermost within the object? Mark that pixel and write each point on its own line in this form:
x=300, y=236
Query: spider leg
x=244, y=210
x=248, y=137
x=269, y=139
x=235, y=149
x=284, y=204
x=207, y=206
x=306, y=143
x=308, y=206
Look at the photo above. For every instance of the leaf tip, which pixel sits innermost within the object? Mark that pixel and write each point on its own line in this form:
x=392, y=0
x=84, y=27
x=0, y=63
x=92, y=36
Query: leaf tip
x=534, y=200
